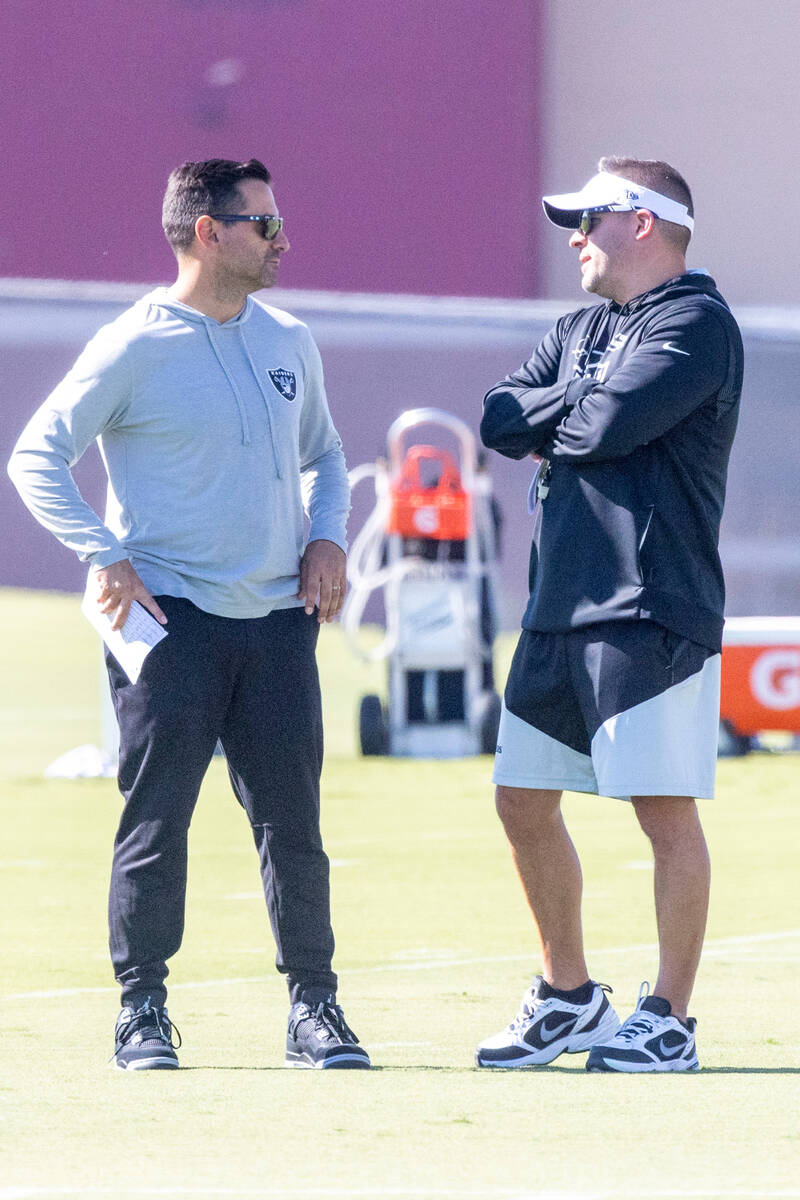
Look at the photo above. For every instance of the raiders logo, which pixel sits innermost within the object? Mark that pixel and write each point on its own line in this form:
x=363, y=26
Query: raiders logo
x=285, y=382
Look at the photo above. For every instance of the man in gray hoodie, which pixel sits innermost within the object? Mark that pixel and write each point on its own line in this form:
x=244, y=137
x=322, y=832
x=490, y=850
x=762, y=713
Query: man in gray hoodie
x=210, y=412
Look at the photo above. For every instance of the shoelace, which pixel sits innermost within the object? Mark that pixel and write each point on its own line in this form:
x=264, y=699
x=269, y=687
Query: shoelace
x=146, y=1018
x=635, y=1025
x=331, y=1018
x=529, y=1002
x=527, y=1010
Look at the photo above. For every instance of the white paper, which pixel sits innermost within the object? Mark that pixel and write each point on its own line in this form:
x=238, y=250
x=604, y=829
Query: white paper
x=84, y=762
x=131, y=644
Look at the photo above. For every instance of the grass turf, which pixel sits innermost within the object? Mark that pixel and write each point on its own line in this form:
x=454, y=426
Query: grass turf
x=435, y=949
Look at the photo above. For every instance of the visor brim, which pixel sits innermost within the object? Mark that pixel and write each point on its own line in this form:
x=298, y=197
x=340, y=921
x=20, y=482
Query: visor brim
x=565, y=218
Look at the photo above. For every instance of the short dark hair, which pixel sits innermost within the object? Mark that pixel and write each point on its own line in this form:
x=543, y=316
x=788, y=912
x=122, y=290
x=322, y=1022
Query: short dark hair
x=659, y=177
x=197, y=188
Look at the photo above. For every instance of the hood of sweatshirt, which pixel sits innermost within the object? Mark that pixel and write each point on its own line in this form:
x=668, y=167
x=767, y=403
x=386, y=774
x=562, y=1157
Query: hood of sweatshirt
x=161, y=298
x=217, y=333
x=692, y=283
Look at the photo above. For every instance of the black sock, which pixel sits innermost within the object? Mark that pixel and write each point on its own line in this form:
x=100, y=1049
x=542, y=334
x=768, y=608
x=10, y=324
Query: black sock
x=314, y=996
x=579, y=995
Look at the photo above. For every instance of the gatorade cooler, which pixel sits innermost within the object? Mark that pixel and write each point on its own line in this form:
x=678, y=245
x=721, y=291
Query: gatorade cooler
x=433, y=505
x=760, y=675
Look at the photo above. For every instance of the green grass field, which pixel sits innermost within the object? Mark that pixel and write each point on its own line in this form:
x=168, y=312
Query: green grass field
x=435, y=950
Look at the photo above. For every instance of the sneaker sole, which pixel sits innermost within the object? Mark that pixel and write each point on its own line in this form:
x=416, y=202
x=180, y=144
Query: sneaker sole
x=578, y=1044
x=341, y=1062
x=640, y=1068
x=148, y=1064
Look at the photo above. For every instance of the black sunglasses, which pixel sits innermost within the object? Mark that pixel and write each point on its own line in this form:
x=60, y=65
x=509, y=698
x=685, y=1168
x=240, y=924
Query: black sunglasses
x=270, y=226
x=590, y=217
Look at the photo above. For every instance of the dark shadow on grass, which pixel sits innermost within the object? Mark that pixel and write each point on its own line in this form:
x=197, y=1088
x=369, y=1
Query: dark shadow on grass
x=548, y=1070
x=373, y=1069
x=542, y=1070
x=416, y=1068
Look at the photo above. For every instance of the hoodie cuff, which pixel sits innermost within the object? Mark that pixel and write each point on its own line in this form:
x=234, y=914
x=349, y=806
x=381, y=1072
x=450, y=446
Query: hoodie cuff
x=107, y=558
x=319, y=532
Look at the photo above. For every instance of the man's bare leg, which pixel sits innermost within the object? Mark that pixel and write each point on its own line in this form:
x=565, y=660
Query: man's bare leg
x=550, y=871
x=682, y=884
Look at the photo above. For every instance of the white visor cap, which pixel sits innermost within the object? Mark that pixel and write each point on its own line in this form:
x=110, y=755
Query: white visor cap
x=612, y=193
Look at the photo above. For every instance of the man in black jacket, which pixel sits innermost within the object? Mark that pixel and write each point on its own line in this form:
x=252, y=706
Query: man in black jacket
x=629, y=409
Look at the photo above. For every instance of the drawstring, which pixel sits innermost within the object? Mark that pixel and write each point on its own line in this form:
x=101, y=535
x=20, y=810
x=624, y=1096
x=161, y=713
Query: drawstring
x=276, y=460
x=242, y=414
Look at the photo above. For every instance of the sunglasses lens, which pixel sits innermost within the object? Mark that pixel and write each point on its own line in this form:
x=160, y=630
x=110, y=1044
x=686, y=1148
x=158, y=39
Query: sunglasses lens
x=585, y=224
x=270, y=227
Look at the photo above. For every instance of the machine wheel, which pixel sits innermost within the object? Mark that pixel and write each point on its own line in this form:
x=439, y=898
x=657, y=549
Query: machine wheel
x=490, y=723
x=731, y=743
x=372, y=727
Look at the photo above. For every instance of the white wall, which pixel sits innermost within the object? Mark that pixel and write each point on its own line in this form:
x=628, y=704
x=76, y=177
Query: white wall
x=709, y=85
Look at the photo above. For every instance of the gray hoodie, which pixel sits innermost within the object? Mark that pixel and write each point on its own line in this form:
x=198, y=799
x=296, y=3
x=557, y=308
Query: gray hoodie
x=216, y=439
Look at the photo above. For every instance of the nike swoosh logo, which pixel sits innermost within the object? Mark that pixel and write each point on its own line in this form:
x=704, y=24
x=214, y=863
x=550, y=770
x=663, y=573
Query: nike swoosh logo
x=674, y=349
x=547, y=1035
x=670, y=1051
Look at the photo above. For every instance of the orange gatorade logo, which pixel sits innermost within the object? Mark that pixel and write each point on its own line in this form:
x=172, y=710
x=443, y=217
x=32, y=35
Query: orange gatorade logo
x=775, y=679
x=761, y=687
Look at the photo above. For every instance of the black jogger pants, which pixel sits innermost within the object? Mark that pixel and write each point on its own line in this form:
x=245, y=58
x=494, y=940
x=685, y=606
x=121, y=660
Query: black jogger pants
x=252, y=684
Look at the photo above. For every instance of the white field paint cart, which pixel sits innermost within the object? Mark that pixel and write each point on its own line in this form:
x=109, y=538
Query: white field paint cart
x=430, y=547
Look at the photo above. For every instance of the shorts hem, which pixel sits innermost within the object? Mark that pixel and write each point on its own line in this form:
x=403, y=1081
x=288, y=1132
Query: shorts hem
x=546, y=785
x=626, y=790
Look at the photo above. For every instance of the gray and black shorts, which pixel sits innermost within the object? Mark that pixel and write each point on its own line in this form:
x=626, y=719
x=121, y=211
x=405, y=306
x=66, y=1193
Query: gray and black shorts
x=620, y=708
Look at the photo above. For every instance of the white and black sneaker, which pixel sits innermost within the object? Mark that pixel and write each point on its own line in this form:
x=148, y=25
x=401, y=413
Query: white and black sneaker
x=143, y=1038
x=651, y=1039
x=548, y=1025
x=319, y=1037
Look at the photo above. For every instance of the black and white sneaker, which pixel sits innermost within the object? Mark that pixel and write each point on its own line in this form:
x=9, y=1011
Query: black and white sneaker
x=651, y=1039
x=547, y=1026
x=144, y=1040
x=319, y=1037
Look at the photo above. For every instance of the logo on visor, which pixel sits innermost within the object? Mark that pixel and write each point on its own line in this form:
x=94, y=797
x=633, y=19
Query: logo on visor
x=285, y=382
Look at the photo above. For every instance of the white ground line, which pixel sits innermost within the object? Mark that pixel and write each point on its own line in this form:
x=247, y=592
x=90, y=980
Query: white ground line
x=24, y=1193
x=499, y=1193
x=714, y=947
x=29, y=1193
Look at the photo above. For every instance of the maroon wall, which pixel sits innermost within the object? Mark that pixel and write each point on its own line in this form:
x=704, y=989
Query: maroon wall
x=402, y=137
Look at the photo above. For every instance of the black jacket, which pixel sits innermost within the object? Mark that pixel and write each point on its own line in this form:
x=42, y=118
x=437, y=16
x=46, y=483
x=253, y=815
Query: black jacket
x=634, y=408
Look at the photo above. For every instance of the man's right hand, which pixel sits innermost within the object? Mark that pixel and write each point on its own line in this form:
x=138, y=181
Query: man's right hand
x=117, y=588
